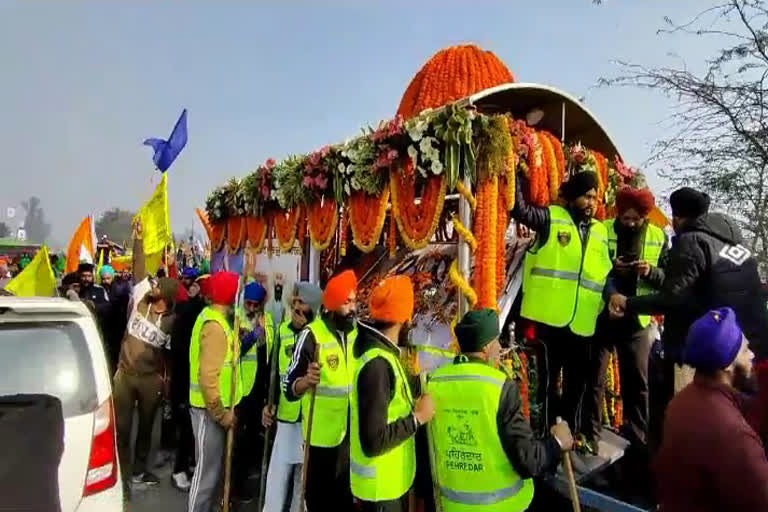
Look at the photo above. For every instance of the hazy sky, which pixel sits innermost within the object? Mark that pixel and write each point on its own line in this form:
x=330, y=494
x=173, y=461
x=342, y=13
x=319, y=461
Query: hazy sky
x=83, y=83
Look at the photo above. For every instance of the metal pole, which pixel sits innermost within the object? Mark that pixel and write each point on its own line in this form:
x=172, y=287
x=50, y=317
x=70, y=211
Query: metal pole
x=562, y=123
x=464, y=261
x=314, y=265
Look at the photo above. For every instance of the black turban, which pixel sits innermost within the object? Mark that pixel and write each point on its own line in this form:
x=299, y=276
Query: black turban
x=85, y=267
x=689, y=203
x=578, y=185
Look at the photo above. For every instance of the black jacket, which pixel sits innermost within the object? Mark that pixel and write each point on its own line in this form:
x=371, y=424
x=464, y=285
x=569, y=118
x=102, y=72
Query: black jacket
x=709, y=267
x=181, y=336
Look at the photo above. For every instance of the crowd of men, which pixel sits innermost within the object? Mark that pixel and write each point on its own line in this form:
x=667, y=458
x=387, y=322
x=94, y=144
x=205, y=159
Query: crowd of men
x=325, y=379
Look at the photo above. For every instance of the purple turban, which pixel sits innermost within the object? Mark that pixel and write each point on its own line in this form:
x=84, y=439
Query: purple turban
x=713, y=341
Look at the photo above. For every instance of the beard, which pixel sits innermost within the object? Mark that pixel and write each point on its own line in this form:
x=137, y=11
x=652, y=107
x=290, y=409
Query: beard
x=344, y=322
x=278, y=292
x=744, y=380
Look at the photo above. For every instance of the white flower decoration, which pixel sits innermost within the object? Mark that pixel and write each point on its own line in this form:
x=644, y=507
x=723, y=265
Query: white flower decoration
x=355, y=183
x=437, y=167
x=346, y=189
x=413, y=153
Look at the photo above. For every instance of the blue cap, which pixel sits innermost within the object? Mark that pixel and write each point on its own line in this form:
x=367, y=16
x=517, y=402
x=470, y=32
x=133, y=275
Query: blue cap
x=255, y=292
x=713, y=341
x=190, y=273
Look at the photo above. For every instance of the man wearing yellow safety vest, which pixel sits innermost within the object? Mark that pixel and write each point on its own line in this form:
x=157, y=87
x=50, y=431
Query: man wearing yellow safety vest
x=564, y=276
x=286, y=461
x=257, y=332
x=210, y=387
x=485, y=455
x=333, y=334
x=384, y=414
x=639, y=252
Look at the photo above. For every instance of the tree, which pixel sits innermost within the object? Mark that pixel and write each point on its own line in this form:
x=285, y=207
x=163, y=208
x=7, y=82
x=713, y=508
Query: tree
x=36, y=228
x=719, y=125
x=4, y=230
x=116, y=225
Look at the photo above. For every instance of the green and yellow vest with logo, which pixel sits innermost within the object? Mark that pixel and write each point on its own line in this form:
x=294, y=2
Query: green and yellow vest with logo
x=332, y=395
x=286, y=411
x=565, y=280
x=653, y=244
x=390, y=475
x=249, y=362
x=225, y=377
x=473, y=471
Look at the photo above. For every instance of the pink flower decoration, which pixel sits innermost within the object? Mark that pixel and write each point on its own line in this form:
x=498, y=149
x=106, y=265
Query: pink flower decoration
x=321, y=181
x=270, y=163
x=308, y=182
x=314, y=159
x=392, y=155
x=265, y=191
x=623, y=169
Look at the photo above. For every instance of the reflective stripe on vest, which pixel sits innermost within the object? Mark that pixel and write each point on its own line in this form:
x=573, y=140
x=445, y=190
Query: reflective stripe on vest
x=654, y=241
x=389, y=475
x=329, y=425
x=225, y=376
x=287, y=411
x=250, y=361
x=563, y=280
x=473, y=471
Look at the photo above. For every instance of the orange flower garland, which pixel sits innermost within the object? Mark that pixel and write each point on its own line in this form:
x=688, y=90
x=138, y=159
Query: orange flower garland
x=417, y=222
x=557, y=146
x=366, y=218
x=537, y=172
x=511, y=170
x=524, y=385
x=602, y=176
x=550, y=166
x=501, y=245
x=451, y=74
x=323, y=218
x=285, y=227
x=486, y=225
x=256, y=228
x=218, y=233
x=235, y=232
x=301, y=234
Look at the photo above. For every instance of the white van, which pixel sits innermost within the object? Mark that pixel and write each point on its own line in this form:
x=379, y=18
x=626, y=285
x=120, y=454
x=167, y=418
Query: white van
x=52, y=346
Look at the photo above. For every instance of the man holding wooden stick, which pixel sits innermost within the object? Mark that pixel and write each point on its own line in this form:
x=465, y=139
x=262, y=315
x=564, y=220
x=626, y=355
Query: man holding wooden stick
x=286, y=460
x=333, y=333
x=210, y=387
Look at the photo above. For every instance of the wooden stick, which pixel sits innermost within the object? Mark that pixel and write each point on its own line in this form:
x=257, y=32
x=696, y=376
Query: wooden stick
x=231, y=430
x=307, y=444
x=270, y=404
x=572, y=491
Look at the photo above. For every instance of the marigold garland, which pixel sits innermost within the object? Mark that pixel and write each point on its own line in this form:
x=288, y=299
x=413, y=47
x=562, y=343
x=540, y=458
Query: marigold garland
x=301, y=231
x=257, y=231
x=464, y=232
x=417, y=222
x=550, y=162
x=557, y=146
x=235, y=232
x=285, y=227
x=450, y=74
x=486, y=225
x=501, y=246
x=323, y=218
x=343, y=231
x=366, y=215
x=392, y=235
x=537, y=173
x=218, y=233
x=466, y=194
x=462, y=284
x=509, y=181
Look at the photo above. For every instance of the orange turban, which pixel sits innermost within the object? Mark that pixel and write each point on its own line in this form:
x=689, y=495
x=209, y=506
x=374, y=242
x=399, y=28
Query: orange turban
x=338, y=289
x=223, y=287
x=392, y=300
x=639, y=199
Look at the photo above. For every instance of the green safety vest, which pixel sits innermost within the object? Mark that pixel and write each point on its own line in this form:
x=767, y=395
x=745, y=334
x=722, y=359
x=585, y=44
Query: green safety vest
x=473, y=471
x=249, y=363
x=225, y=377
x=286, y=411
x=565, y=280
x=331, y=414
x=390, y=475
x=654, y=240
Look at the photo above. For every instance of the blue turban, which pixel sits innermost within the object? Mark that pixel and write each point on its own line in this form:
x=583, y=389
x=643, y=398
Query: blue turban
x=713, y=341
x=190, y=273
x=107, y=270
x=255, y=292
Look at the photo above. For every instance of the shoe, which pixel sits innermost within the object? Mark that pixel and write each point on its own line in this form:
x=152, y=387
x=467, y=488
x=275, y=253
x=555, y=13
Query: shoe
x=145, y=479
x=181, y=481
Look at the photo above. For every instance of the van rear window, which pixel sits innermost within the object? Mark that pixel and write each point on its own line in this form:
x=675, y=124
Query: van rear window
x=49, y=358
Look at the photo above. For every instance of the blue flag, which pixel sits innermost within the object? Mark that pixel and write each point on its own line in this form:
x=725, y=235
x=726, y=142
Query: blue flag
x=166, y=151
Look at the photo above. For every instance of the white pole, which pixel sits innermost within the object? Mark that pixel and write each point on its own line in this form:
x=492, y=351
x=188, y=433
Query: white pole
x=464, y=261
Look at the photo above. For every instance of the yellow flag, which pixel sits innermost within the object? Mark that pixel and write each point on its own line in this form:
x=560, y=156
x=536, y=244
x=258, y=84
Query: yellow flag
x=36, y=279
x=156, y=219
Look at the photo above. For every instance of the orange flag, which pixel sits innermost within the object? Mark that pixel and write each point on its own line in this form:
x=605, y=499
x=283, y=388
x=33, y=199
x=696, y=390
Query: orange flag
x=82, y=245
x=204, y=221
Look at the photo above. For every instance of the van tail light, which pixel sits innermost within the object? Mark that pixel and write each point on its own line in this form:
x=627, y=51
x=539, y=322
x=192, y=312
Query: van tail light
x=102, y=463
